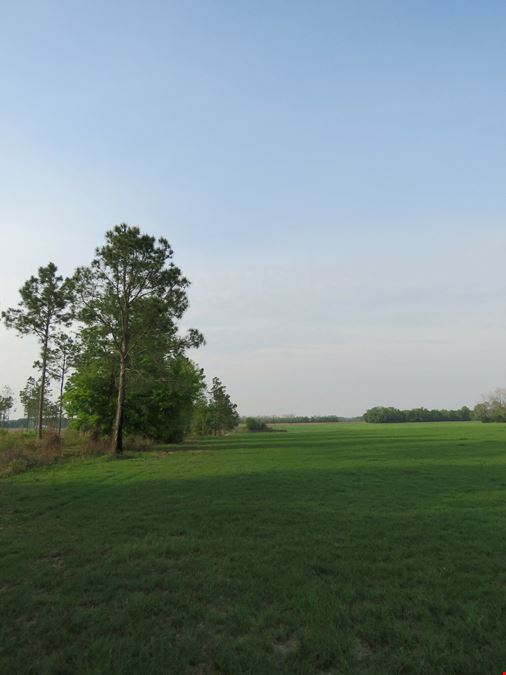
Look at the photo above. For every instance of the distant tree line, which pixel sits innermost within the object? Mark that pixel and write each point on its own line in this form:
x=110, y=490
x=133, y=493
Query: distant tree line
x=382, y=414
x=298, y=419
x=110, y=344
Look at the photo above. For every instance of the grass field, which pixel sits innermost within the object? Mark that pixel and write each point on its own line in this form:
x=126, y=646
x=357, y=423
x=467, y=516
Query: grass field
x=335, y=549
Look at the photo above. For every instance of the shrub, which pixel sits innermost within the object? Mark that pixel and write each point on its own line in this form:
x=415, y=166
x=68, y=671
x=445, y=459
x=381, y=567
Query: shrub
x=253, y=424
x=136, y=443
x=22, y=450
x=73, y=438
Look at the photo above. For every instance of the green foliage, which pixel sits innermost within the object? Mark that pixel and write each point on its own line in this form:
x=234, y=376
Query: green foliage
x=214, y=411
x=492, y=408
x=129, y=300
x=381, y=415
x=90, y=396
x=254, y=424
x=222, y=412
x=44, y=304
x=161, y=407
x=132, y=291
x=304, y=419
x=201, y=420
x=159, y=400
x=43, y=309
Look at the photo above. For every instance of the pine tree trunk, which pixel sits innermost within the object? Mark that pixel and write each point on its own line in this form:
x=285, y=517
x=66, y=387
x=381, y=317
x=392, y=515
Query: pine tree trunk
x=43, y=382
x=62, y=384
x=117, y=439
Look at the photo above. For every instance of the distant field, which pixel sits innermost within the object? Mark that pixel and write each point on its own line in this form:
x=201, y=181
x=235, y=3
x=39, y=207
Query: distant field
x=331, y=549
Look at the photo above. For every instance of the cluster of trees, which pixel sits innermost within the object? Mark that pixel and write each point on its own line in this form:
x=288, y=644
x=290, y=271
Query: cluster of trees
x=256, y=424
x=214, y=412
x=52, y=411
x=382, y=414
x=492, y=408
x=109, y=338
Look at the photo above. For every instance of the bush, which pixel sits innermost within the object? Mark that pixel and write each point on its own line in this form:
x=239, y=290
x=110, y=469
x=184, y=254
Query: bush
x=94, y=446
x=137, y=443
x=73, y=438
x=253, y=424
x=20, y=451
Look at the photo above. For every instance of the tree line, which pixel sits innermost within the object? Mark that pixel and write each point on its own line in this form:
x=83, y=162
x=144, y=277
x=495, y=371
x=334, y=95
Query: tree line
x=299, y=419
x=109, y=340
x=383, y=414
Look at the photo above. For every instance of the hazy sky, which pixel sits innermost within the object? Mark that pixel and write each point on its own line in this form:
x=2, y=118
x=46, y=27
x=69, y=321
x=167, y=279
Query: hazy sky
x=331, y=175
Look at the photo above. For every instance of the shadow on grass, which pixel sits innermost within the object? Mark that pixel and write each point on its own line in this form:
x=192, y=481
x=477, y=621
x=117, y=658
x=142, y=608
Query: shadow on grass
x=352, y=445
x=132, y=569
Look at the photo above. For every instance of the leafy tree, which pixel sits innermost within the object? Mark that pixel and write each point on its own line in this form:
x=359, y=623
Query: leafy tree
x=130, y=299
x=201, y=418
x=381, y=414
x=91, y=393
x=466, y=414
x=492, y=408
x=42, y=310
x=162, y=406
x=159, y=400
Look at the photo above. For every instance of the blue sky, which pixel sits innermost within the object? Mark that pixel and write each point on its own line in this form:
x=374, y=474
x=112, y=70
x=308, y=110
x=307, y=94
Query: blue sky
x=330, y=174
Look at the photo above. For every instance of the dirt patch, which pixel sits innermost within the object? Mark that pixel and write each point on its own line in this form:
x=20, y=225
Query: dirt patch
x=286, y=647
x=361, y=649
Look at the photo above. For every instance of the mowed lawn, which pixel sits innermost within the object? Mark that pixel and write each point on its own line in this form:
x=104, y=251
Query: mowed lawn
x=335, y=549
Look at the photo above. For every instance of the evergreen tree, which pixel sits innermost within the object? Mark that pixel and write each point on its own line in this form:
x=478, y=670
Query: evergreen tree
x=129, y=299
x=213, y=412
x=42, y=310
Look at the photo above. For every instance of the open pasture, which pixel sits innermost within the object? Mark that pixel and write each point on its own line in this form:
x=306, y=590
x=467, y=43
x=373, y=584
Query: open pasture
x=331, y=549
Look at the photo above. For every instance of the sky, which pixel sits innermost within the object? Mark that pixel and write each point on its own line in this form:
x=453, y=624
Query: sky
x=331, y=176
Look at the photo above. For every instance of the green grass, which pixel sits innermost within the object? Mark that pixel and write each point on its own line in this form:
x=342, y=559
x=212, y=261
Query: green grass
x=335, y=549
